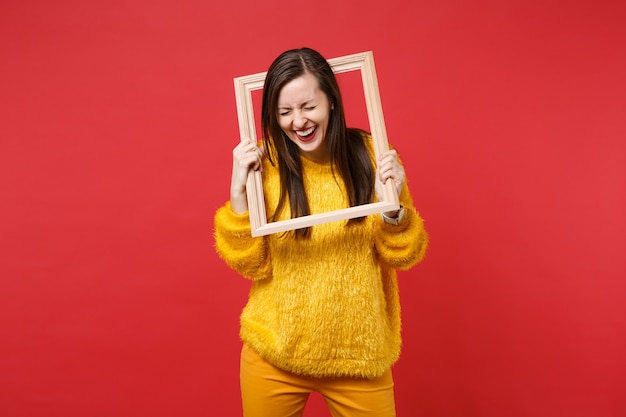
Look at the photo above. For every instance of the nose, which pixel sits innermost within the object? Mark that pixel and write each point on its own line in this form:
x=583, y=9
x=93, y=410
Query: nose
x=299, y=119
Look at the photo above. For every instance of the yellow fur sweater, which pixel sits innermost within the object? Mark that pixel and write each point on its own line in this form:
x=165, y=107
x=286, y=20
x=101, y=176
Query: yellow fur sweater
x=327, y=305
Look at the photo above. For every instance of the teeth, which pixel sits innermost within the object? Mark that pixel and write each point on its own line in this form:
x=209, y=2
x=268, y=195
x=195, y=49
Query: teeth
x=306, y=132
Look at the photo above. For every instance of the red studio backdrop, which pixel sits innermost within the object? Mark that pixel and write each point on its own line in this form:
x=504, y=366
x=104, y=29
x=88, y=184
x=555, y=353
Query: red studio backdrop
x=117, y=122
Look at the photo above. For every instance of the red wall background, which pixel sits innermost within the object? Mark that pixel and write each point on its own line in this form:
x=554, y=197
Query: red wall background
x=117, y=121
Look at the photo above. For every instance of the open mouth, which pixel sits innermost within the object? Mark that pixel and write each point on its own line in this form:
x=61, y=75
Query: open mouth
x=306, y=135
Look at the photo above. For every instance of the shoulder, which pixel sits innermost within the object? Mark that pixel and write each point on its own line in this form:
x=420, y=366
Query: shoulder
x=361, y=136
x=367, y=138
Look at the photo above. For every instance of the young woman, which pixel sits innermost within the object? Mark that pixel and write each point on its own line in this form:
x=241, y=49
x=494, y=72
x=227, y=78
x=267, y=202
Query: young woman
x=323, y=312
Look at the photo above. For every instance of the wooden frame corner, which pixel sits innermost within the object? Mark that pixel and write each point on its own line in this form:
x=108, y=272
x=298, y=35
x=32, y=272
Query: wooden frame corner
x=254, y=187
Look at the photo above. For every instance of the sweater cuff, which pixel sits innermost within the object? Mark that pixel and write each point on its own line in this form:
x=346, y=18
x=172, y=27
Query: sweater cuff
x=408, y=217
x=236, y=223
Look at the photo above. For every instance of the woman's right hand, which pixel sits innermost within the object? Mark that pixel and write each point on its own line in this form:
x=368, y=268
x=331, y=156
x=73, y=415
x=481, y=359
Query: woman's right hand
x=246, y=156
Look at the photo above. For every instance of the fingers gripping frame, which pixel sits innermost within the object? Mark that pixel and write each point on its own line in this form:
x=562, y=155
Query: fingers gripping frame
x=254, y=186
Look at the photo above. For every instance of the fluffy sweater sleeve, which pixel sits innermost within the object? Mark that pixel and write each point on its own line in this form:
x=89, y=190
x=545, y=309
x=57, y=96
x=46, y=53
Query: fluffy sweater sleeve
x=402, y=246
x=234, y=243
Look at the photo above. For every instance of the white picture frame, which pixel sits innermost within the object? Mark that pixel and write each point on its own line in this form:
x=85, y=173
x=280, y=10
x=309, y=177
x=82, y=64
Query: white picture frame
x=245, y=85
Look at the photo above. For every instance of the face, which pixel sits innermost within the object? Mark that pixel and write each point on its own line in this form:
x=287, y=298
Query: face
x=303, y=114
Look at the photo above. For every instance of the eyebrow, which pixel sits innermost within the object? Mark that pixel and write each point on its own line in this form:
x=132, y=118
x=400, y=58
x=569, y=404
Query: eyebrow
x=303, y=104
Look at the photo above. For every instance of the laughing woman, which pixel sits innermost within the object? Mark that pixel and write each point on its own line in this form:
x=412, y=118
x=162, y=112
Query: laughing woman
x=323, y=313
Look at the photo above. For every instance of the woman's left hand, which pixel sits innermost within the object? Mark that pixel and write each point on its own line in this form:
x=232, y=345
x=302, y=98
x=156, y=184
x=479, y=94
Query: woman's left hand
x=389, y=168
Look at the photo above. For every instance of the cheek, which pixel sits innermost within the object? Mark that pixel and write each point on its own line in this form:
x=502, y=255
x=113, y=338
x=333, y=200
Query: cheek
x=321, y=118
x=284, y=125
x=325, y=120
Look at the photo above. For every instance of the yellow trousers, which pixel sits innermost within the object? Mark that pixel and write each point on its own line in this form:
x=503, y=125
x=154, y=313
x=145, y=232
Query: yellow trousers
x=267, y=391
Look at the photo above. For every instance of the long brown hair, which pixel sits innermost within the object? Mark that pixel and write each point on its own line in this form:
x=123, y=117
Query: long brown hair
x=349, y=156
